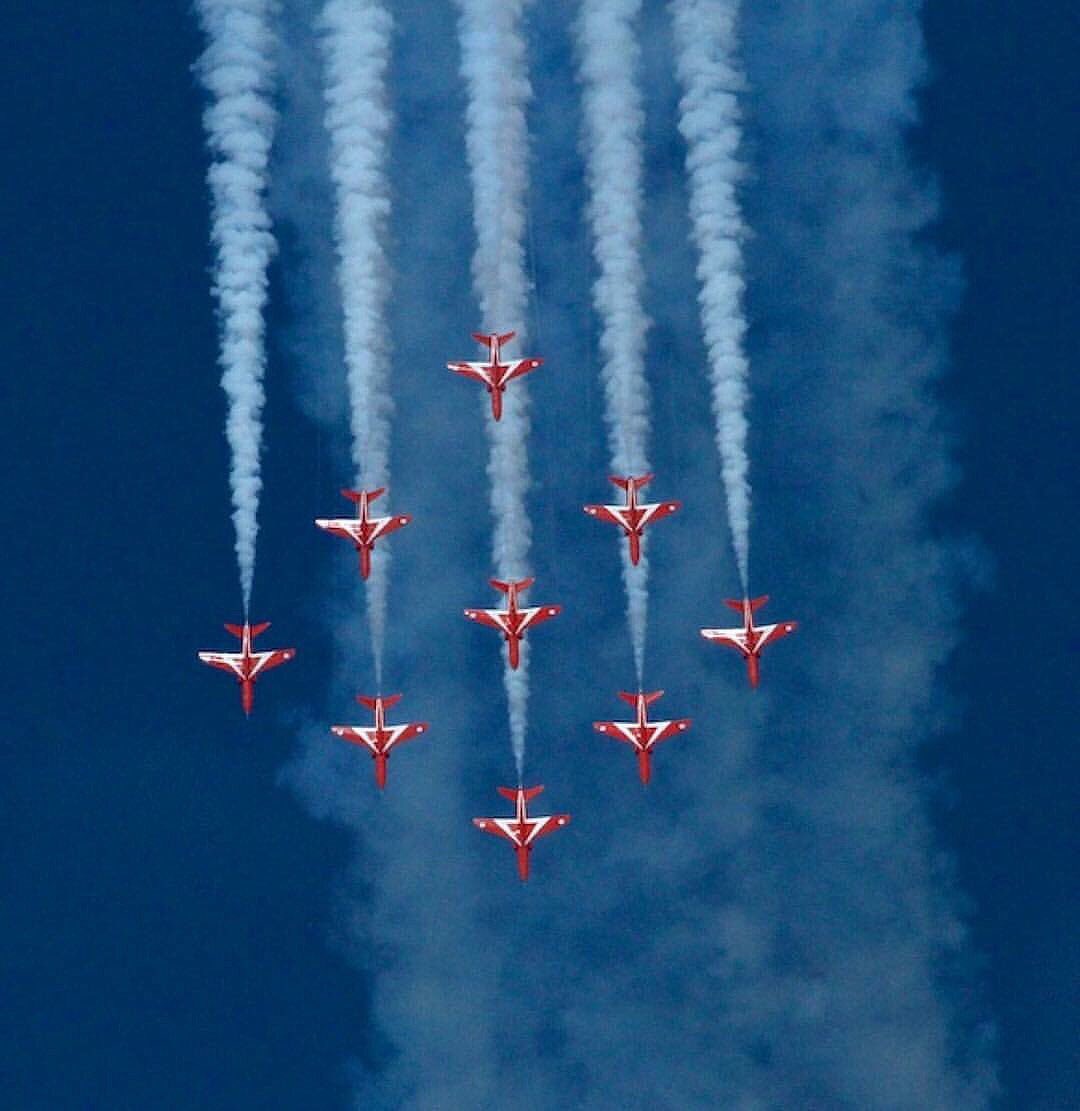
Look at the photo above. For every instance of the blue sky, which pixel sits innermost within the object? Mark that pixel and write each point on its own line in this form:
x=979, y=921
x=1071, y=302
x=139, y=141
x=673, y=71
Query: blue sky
x=182, y=929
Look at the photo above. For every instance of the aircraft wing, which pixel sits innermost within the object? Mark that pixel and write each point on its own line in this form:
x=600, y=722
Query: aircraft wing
x=500, y=827
x=658, y=511
x=618, y=731
x=496, y=619
x=399, y=734
x=663, y=730
x=348, y=527
x=541, y=827
x=537, y=615
x=227, y=661
x=609, y=513
x=519, y=367
x=356, y=734
x=264, y=661
x=769, y=633
x=480, y=371
x=733, y=638
x=380, y=526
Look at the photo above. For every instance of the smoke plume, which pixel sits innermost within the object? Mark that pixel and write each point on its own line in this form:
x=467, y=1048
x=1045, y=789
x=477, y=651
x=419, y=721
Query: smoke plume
x=609, y=59
x=237, y=70
x=709, y=122
x=356, y=48
x=493, y=65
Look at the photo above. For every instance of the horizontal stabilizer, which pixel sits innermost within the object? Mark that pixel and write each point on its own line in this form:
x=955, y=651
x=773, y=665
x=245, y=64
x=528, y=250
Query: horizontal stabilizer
x=511, y=793
x=755, y=603
x=637, y=481
x=357, y=496
x=236, y=630
x=370, y=702
x=258, y=630
x=521, y=584
x=650, y=698
x=487, y=338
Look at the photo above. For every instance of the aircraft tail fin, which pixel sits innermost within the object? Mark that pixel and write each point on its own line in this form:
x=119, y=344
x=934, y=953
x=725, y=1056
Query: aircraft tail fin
x=754, y=603
x=511, y=793
x=238, y=630
x=521, y=584
x=627, y=481
x=490, y=339
x=649, y=697
x=357, y=496
x=370, y=701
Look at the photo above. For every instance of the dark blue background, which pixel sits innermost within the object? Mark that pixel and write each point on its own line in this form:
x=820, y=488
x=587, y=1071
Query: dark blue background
x=168, y=910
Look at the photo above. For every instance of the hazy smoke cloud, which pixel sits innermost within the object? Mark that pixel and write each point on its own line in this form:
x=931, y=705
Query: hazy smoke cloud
x=770, y=924
x=237, y=70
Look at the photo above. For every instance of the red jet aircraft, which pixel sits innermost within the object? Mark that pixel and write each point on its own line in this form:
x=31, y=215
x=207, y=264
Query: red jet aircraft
x=631, y=517
x=751, y=638
x=495, y=374
x=362, y=529
x=521, y=830
x=380, y=738
x=246, y=665
x=512, y=622
x=643, y=734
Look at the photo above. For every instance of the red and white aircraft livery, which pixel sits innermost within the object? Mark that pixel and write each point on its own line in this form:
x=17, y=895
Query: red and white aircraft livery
x=643, y=734
x=363, y=530
x=751, y=638
x=495, y=374
x=512, y=622
x=380, y=738
x=246, y=665
x=521, y=830
x=631, y=517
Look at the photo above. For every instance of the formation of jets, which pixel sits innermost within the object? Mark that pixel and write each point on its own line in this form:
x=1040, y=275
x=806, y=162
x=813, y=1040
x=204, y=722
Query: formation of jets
x=632, y=518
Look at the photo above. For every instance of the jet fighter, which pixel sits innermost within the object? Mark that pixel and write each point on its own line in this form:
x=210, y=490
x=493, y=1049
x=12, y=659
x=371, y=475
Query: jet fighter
x=380, y=738
x=363, y=530
x=631, y=517
x=495, y=374
x=643, y=734
x=751, y=638
x=246, y=665
x=521, y=830
x=512, y=622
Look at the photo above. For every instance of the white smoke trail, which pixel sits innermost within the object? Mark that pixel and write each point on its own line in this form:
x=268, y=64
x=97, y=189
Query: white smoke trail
x=493, y=65
x=709, y=122
x=237, y=70
x=609, y=57
x=355, y=39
